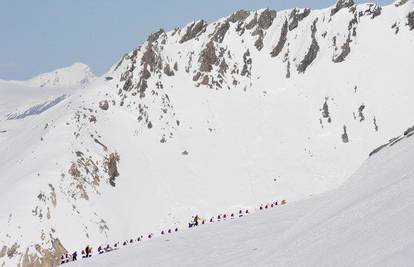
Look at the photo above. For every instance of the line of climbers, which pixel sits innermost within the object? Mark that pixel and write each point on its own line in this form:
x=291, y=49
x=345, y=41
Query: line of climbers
x=195, y=221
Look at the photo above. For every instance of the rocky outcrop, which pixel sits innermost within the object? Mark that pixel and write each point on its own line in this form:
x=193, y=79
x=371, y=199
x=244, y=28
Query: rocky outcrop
x=325, y=111
x=266, y=19
x=168, y=71
x=44, y=257
x=341, y=4
x=345, y=50
x=296, y=16
x=220, y=32
x=246, y=71
x=282, y=40
x=407, y=133
x=194, y=30
x=345, y=138
x=112, y=167
x=312, y=52
x=410, y=20
x=263, y=22
x=360, y=113
x=208, y=58
x=240, y=15
x=399, y=3
x=104, y=105
x=155, y=36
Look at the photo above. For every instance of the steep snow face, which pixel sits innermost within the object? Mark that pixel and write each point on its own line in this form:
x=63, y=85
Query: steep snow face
x=254, y=107
x=365, y=222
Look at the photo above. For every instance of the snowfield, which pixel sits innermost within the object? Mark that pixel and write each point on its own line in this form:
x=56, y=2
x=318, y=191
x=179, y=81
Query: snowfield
x=365, y=222
x=210, y=118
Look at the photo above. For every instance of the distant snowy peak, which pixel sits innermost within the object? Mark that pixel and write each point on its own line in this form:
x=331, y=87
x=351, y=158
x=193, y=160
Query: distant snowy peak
x=76, y=74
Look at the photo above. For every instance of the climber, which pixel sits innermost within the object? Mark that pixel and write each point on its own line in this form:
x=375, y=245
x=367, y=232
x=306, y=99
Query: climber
x=196, y=220
x=62, y=259
x=75, y=256
x=100, y=250
x=88, y=251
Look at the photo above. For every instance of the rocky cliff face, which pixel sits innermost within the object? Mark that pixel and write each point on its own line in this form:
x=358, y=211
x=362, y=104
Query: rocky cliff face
x=202, y=119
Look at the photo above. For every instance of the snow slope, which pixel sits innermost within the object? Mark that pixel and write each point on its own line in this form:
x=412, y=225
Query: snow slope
x=365, y=222
x=204, y=119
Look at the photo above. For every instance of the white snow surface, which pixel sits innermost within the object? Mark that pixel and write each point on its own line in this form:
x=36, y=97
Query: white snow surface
x=185, y=148
x=365, y=222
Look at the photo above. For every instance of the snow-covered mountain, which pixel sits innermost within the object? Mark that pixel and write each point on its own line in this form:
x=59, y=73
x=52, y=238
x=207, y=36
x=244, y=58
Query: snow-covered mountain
x=365, y=222
x=257, y=106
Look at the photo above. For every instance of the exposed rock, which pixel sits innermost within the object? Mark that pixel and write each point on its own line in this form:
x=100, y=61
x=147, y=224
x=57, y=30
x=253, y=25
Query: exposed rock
x=127, y=85
x=168, y=71
x=223, y=67
x=154, y=36
x=296, y=16
x=375, y=124
x=205, y=80
x=378, y=149
x=194, y=30
x=44, y=257
x=399, y=3
x=345, y=50
x=259, y=42
x=150, y=58
x=208, y=57
x=240, y=15
x=410, y=20
x=396, y=27
x=12, y=251
x=246, y=71
x=360, y=113
x=3, y=252
x=409, y=131
x=374, y=10
x=197, y=76
x=108, y=78
x=312, y=52
x=92, y=118
x=266, y=19
x=340, y=4
x=345, y=137
x=282, y=40
x=176, y=66
x=112, y=168
x=74, y=171
x=104, y=105
x=325, y=111
x=252, y=23
x=288, y=70
x=220, y=32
